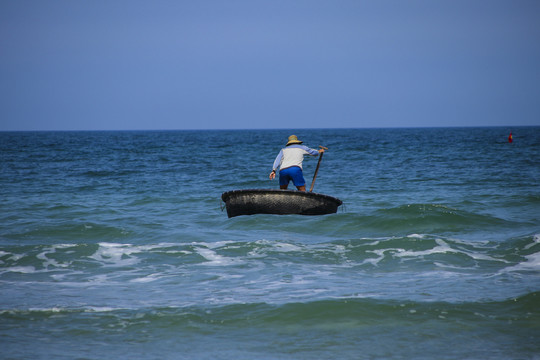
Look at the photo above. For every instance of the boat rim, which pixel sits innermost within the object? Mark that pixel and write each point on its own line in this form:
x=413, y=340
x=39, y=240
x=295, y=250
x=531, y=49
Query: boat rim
x=227, y=194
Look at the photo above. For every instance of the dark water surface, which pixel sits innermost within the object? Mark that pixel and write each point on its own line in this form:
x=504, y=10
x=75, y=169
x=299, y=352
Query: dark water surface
x=114, y=245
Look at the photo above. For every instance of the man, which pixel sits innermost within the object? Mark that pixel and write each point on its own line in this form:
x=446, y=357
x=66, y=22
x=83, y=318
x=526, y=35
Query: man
x=289, y=160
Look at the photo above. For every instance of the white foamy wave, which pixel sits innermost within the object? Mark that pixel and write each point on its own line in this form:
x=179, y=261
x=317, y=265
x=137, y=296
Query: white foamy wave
x=56, y=310
x=265, y=246
x=52, y=309
x=452, y=267
x=98, y=309
x=285, y=247
x=116, y=254
x=380, y=256
x=531, y=263
x=212, y=245
x=20, y=269
x=443, y=248
x=48, y=261
x=147, y=279
x=214, y=259
x=536, y=240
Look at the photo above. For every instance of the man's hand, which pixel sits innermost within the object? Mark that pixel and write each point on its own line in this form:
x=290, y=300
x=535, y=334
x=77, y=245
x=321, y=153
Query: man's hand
x=272, y=175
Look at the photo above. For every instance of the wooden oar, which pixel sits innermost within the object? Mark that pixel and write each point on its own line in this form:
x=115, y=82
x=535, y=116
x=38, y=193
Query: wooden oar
x=317, y=169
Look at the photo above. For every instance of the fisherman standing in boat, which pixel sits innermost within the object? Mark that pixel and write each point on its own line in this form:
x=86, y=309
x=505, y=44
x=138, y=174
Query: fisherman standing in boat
x=289, y=160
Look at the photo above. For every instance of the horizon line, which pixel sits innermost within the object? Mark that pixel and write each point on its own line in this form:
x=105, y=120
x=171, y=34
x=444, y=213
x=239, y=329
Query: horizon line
x=271, y=129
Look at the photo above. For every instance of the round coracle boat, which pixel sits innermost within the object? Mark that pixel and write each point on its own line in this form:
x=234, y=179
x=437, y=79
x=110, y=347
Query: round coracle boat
x=280, y=202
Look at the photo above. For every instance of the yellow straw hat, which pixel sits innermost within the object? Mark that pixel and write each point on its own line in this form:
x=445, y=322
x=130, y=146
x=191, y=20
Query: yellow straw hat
x=293, y=140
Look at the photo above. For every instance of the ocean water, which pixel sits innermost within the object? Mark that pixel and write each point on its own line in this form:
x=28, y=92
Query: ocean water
x=115, y=245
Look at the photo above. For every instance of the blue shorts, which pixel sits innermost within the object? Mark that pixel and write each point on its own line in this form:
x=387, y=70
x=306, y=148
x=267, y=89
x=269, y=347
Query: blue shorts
x=293, y=173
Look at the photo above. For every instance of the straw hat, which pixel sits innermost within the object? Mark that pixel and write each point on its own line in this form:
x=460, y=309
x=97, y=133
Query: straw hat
x=293, y=140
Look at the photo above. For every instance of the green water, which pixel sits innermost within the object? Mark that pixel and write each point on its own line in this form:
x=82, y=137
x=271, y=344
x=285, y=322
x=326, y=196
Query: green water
x=115, y=245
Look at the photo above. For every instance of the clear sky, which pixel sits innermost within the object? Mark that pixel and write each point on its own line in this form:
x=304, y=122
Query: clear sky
x=236, y=64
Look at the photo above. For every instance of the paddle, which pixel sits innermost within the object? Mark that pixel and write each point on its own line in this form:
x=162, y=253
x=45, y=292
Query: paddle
x=317, y=168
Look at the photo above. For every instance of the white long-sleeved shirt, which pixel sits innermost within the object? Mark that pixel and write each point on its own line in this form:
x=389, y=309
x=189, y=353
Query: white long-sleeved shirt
x=292, y=155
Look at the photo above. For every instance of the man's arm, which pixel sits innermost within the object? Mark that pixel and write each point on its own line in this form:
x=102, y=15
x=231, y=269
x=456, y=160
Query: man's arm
x=276, y=165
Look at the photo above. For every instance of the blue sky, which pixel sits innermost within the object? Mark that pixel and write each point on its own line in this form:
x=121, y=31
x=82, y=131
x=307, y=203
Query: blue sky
x=110, y=65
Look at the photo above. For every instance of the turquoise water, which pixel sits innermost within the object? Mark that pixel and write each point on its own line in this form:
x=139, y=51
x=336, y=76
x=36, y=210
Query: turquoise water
x=116, y=245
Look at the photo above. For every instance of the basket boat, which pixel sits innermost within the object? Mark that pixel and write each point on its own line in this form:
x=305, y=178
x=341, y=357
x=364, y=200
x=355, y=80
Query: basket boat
x=276, y=201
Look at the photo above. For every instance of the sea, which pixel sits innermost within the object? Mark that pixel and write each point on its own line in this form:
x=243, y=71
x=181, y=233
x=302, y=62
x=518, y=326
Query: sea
x=117, y=245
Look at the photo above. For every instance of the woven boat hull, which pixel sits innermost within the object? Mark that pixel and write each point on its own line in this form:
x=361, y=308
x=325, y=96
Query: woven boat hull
x=281, y=202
